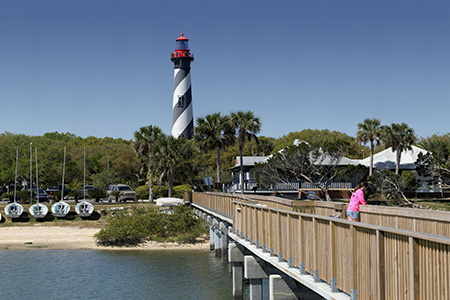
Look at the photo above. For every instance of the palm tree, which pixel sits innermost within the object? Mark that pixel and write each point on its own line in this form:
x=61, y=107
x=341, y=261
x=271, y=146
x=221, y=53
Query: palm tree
x=369, y=131
x=247, y=126
x=145, y=140
x=169, y=156
x=215, y=131
x=400, y=137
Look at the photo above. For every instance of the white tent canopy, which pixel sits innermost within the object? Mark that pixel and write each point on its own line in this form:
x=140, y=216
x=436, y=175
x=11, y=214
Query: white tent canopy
x=386, y=159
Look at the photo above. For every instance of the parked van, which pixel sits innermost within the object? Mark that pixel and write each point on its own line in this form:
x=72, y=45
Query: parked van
x=127, y=192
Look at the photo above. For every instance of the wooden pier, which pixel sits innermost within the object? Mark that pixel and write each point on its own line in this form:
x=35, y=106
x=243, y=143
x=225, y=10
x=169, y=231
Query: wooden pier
x=393, y=253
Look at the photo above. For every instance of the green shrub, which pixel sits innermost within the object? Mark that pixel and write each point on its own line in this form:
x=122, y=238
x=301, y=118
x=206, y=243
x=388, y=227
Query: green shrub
x=142, y=192
x=24, y=196
x=97, y=194
x=135, y=226
x=409, y=178
x=179, y=189
x=8, y=196
x=160, y=191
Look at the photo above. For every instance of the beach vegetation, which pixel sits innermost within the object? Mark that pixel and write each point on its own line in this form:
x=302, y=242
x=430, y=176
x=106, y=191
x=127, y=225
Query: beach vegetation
x=137, y=225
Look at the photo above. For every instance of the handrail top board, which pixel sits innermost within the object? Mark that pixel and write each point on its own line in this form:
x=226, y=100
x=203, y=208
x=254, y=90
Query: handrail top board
x=369, y=209
x=406, y=212
x=274, y=199
x=425, y=236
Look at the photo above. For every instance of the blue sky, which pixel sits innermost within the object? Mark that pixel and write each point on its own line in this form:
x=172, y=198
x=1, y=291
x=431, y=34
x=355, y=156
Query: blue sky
x=102, y=67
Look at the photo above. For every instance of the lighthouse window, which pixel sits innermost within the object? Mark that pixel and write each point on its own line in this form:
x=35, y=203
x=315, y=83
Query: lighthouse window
x=182, y=45
x=180, y=101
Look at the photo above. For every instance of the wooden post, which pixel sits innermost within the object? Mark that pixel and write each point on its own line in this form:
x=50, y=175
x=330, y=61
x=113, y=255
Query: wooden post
x=288, y=238
x=301, y=241
x=277, y=232
x=333, y=260
x=381, y=278
x=314, y=244
x=354, y=261
x=414, y=278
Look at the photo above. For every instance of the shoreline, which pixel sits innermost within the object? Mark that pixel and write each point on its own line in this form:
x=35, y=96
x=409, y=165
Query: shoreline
x=73, y=238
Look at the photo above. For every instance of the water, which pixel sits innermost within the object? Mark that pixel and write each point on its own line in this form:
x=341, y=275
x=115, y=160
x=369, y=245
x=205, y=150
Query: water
x=91, y=274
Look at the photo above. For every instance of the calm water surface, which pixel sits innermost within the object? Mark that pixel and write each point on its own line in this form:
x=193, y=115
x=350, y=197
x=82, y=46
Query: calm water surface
x=92, y=274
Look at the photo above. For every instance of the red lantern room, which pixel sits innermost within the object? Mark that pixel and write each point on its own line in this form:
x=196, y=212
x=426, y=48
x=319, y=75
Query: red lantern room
x=182, y=48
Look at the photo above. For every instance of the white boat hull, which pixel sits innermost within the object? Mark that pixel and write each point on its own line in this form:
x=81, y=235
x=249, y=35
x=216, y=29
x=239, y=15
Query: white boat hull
x=60, y=209
x=169, y=202
x=84, y=209
x=38, y=210
x=13, y=210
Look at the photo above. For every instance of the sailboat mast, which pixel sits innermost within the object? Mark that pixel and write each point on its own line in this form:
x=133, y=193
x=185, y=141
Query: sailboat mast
x=31, y=173
x=64, y=169
x=84, y=176
x=37, y=178
x=15, y=178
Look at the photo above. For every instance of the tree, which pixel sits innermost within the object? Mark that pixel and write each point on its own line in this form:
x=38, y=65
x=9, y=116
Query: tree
x=247, y=126
x=438, y=158
x=369, y=131
x=169, y=156
x=400, y=137
x=215, y=131
x=313, y=164
x=145, y=140
x=317, y=137
x=264, y=146
x=389, y=186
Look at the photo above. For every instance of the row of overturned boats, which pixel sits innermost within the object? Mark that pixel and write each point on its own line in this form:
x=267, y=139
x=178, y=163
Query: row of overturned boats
x=59, y=209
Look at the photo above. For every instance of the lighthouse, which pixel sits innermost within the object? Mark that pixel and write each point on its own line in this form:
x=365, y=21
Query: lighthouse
x=183, y=122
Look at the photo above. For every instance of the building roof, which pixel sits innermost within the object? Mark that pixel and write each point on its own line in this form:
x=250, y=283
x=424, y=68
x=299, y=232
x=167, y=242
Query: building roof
x=381, y=160
x=250, y=160
x=386, y=159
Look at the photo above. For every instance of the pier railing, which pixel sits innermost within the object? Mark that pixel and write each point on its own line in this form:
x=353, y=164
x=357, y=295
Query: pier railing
x=417, y=220
x=373, y=261
x=377, y=261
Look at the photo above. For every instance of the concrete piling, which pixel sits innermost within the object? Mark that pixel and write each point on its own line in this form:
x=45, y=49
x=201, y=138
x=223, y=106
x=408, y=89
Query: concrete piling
x=279, y=289
x=236, y=258
x=254, y=272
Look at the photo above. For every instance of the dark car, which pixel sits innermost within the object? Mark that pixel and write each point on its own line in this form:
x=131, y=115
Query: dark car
x=87, y=188
x=40, y=194
x=57, y=189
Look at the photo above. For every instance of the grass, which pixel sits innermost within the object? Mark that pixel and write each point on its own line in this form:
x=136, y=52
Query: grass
x=434, y=204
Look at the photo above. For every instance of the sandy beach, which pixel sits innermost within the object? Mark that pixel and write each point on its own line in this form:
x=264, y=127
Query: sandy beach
x=67, y=238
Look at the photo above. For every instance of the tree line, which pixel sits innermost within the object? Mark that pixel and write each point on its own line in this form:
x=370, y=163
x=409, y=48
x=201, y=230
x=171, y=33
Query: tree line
x=155, y=157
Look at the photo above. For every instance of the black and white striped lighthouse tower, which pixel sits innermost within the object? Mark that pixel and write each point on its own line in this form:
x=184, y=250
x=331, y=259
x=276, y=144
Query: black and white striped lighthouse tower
x=183, y=121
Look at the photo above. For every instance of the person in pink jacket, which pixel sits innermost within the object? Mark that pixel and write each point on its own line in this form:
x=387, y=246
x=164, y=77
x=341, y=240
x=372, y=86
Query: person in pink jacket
x=356, y=199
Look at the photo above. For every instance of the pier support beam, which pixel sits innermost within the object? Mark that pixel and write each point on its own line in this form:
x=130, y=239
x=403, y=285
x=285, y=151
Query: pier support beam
x=279, y=289
x=217, y=242
x=236, y=258
x=211, y=238
x=224, y=241
x=254, y=272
